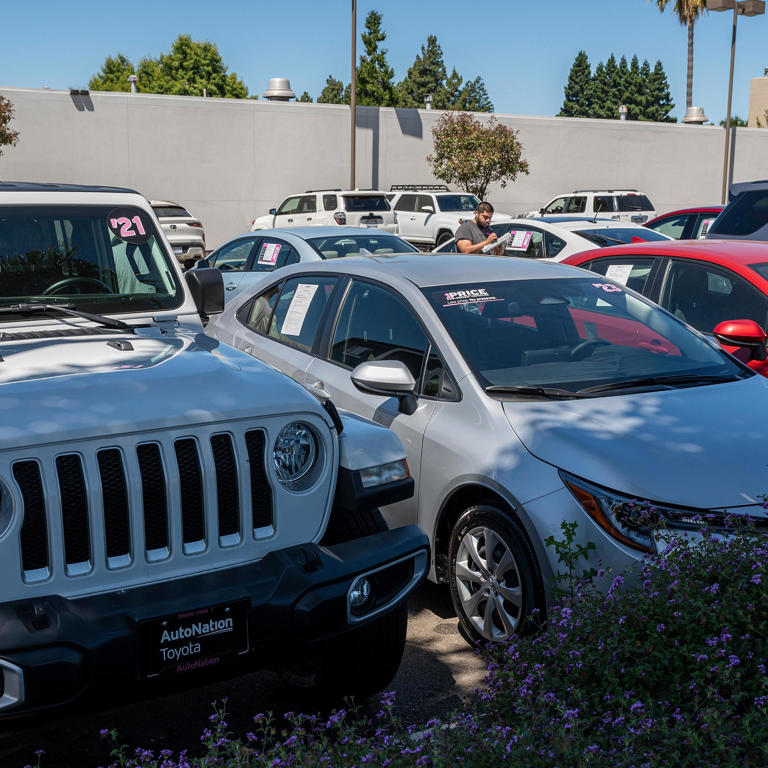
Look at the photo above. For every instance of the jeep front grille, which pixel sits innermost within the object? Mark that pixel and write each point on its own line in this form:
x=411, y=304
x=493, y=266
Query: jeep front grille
x=123, y=495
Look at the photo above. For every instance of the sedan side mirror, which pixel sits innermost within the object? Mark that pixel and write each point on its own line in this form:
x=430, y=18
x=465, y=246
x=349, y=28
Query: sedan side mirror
x=744, y=339
x=272, y=211
x=390, y=378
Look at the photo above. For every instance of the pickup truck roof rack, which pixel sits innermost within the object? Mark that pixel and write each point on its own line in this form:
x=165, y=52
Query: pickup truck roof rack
x=419, y=188
x=335, y=189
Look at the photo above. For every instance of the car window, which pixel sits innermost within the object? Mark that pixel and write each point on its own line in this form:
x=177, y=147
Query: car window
x=169, y=210
x=747, y=213
x=374, y=241
x=671, y=225
x=424, y=200
x=553, y=244
x=233, y=256
x=291, y=205
x=457, y=202
x=257, y=313
x=308, y=204
x=604, y=236
x=272, y=254
x=330, y=202
x=703, y=223
x=374, y=324
x=632, y=272
x=633, y=202
x=556, y=206
x=297, y=315
x=576, y=204
x=364, y=203
x=406, y=203
x=602, y=203
x=703, y=296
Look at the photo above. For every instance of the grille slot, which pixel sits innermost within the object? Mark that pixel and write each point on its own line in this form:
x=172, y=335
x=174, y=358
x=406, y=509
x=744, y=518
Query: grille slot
x=74, y=509
x=34, y=529
x=154, y=496
x=114, y=493
x=191, y=488
x=227, y=484
x=261, y=492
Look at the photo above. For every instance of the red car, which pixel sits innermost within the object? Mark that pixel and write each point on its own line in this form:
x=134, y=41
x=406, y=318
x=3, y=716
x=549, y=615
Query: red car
x=720, y=287
x=687, y=223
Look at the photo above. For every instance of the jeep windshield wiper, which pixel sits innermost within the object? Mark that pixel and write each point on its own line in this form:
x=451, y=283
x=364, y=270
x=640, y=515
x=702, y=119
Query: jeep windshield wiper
x=672, y=380
x=527, y=389
x=67, y=309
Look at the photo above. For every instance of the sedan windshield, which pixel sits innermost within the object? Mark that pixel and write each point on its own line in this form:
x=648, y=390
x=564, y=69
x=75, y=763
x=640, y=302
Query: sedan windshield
x=561, y=336
x=457, y=202
x=351, y=245
x=94, y=258
x=604, y=236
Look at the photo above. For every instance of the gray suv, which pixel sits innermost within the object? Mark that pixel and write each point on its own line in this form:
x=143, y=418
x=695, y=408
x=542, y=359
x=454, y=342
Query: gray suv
x=746, y=215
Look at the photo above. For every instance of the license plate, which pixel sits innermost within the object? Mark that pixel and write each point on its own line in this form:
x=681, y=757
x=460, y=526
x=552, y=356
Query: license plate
x=202, y=637
x=177, y=249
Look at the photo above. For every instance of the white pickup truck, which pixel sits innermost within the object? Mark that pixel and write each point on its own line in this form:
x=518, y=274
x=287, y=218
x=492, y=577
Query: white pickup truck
x=170, y=506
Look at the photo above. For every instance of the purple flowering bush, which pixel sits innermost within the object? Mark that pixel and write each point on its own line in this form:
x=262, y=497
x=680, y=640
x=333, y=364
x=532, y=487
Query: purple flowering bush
x=671, y=673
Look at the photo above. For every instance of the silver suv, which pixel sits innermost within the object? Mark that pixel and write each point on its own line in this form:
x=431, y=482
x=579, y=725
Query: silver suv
x=328, y=207
x=184, y=232
x=169, y=504
x=620, y=204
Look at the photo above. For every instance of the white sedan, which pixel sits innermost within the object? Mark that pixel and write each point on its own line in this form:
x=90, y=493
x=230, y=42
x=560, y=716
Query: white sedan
x=555, y=238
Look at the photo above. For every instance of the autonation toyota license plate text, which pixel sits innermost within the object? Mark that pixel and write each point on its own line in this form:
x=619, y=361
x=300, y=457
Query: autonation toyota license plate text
x=194, y=639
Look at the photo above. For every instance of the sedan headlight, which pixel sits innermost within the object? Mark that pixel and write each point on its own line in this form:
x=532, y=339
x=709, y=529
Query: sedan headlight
x=384, y=473
x=633, y=521
x=295, y=452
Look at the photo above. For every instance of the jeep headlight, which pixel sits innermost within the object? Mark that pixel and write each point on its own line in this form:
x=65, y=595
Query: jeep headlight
x=295, y=452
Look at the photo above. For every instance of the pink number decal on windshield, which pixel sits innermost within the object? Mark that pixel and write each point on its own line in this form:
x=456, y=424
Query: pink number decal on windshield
x=137, y=221
x=126, y=230
x=607, y=287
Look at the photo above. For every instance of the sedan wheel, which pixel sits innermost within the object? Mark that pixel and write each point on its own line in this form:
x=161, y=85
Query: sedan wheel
x=492, y=572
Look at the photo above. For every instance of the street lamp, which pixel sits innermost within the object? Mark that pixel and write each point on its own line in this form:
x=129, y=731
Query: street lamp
x=745, y=8
x=353, y=99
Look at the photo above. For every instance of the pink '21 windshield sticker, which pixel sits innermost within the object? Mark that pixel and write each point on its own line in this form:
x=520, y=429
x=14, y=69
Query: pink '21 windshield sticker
x=130, y=224
x=467, y=296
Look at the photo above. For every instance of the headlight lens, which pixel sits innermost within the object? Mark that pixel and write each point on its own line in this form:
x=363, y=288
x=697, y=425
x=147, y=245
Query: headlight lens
x=295, y=452
x=385, y=473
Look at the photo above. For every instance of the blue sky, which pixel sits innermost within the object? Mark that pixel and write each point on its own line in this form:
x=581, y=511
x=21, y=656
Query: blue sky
x=522, y=48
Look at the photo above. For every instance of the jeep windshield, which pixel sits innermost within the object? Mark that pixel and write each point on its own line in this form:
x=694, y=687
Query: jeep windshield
x=457, y=202
x=98, y=259
x=571, y=337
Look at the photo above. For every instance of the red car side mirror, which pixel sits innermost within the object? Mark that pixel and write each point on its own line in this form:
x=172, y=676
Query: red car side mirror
x=744, y=339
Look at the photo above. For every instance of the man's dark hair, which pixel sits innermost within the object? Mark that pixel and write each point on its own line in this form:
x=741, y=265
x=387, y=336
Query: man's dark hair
x=485, y=207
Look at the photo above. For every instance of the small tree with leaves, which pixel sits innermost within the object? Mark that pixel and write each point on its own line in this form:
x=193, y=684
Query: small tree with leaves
x=333, y=93
x=305, y=98
x=474, y=154
x=8, y=138
x=113, y=75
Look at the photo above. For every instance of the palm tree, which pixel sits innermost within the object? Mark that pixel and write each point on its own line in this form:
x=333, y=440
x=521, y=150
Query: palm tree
x=687, y=11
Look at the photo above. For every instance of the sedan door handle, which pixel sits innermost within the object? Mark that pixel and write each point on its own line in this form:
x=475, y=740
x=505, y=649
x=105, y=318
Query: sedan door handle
x=318, y=388
x=230, y=286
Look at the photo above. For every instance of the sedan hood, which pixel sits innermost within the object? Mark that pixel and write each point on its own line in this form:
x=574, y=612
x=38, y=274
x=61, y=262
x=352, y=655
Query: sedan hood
x=703, y=447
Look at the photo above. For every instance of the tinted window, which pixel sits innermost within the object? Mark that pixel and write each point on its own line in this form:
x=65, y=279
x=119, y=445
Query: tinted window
x=745, y=215
x=375, y=325
x=704, y=296
x=291, y=205
x=256, y=314
x=672, y=226
x=299, y=309
x=346, y=245
x=425, y=201
x=274, y=253
x=553, y=244
x=576, y=205
x=457, y=202
x=169, y=210
x=366, y=203
x=602, y=203
x=308, y=204
x=632, y=272
x=406, y=203
x=329, y=202
x=603, y=236
x=633, y=203
x=233, y=255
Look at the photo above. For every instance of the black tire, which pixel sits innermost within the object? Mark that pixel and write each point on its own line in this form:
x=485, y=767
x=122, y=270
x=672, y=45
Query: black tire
x=443, y=237
x=348, y=524
x=512, y=586
x=360, y=663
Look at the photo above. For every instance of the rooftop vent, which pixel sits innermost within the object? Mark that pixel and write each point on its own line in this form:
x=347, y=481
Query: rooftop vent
x=695, y=116
x=279, y=89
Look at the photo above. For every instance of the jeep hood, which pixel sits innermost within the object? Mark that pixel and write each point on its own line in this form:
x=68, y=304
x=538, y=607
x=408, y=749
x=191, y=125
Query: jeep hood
x=64, y=389
x=704, y=447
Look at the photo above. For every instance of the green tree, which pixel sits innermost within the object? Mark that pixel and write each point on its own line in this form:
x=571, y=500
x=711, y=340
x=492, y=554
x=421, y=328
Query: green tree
x=474, y=154
x=736, y=122
x=113, y=75
x=305, y=97
x=187, y=70
x=634, y=91
x=425, y=76
x=8, y=137
x=660, y=102
x=473, y=97
x=687, y=12
x=374, y=86
x=333, y=93
x=449, y=96
x=599, y=93
x=577, y=101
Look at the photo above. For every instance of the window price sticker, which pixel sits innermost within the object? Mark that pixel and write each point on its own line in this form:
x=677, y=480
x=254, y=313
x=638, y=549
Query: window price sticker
x=269, y=253
x=519, y=241
x=297, y=311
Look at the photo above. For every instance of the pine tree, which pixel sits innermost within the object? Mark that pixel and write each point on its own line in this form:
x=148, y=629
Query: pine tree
x=305, y=98
x=333, y=93
x=425, y=76
x=609, y=109
x=374, y=76
x=474, y=97
x=660, y=102
x=598, y=91
x=576, y=102
x=113, y=75
x=634, y=94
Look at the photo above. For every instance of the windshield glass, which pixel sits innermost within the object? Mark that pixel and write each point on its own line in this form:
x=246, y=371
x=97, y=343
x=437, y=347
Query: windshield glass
x=97, y=258
x=346, y=245
x=743, y=216
x=617, y=235
x=570, y=334
x=633, y=203
x=457, y=202
x=365, y=203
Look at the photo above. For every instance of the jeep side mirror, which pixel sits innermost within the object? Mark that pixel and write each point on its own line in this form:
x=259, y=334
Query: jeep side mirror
x=207, y=289
x=744, y=339
x=272, y=211
x=390, y=378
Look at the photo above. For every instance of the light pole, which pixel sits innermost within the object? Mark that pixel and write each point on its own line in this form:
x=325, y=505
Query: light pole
x=745, y=8
x=353, y=99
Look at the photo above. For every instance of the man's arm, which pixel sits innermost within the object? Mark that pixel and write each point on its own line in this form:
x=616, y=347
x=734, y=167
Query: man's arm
x=465, y=246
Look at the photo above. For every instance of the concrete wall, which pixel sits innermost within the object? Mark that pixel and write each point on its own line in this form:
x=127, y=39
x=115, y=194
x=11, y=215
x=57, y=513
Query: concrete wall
x=230, y=160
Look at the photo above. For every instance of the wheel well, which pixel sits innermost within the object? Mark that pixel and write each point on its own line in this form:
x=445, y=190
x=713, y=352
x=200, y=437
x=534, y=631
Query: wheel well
x=442, y=232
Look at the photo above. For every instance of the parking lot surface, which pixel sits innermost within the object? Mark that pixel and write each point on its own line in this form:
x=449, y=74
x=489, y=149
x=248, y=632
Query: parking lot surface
x=439, y=669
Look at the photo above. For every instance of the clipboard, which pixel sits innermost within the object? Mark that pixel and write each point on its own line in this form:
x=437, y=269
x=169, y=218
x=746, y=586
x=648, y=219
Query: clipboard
x=499, y=241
